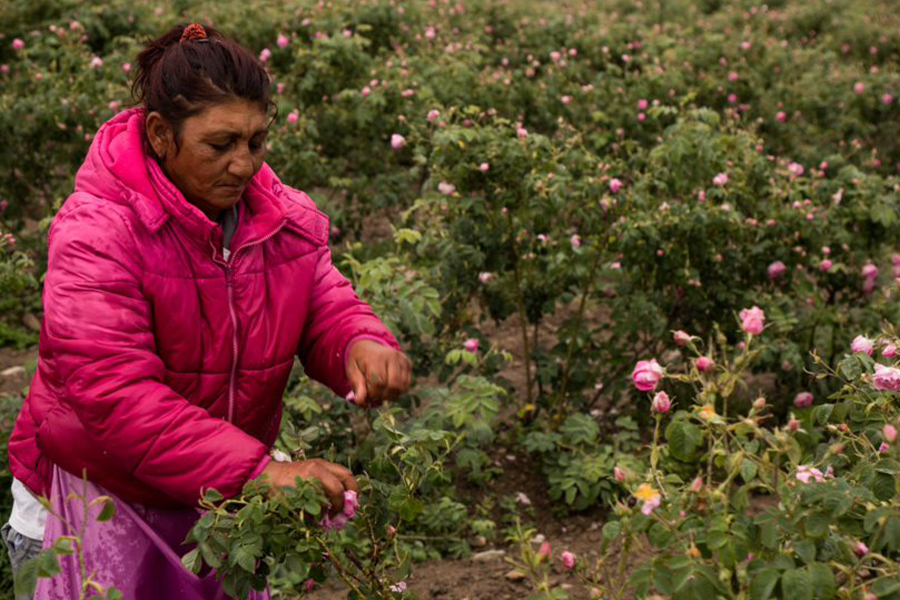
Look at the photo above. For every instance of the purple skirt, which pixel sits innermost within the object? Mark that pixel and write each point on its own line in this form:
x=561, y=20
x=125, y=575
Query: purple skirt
x=138, y=551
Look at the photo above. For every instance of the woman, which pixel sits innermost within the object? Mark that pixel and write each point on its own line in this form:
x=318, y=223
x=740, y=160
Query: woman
x=183, y=278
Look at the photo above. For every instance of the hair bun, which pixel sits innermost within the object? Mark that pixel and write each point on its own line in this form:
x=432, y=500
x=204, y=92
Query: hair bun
x=194, y=31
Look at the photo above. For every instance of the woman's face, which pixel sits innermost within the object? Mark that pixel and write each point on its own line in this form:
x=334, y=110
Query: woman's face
x=221, y=149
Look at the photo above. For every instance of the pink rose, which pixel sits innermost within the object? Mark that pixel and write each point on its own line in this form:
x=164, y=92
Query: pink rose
x=446, y=188
x=781, y=116
x=351, y=504
x=805, y=474
x=697, y=485
x=18, y=44
x=545, y=551
x=264, y=55
x=615, y=185
x=720, y=180
x=568, y=560
x=870, y=271
x=704, y=363
x=889, y=351
x=397, y=141
x=484, y=167
x=619, y=475
x=886, y=378
x=887, y=98
x=521, y=132
x=861, y=344
x=282, y=41
x=890, y=433
x=753, y=320
x=471, y=345
x=859, y=87
x=661, y=403
x=646, y=375
x=682, y=338
x=642, y=104
x=776, y=270
x=825, y=265
x=576, y=241
x=293, y=116
x=433, y=114
x=96, y=62
x=803, y=400
x=860, y=549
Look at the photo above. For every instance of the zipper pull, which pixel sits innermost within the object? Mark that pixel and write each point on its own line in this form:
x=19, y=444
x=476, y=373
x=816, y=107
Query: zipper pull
x=226, y=253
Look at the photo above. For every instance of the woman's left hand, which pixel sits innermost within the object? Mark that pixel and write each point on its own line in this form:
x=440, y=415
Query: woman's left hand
x=377, y=372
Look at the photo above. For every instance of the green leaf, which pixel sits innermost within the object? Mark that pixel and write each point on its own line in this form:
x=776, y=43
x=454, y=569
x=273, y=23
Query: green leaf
x=824, y=584
x=796, y=585
x=762, y=583
x=212, y=495
x=109, y=508
x=748, y=470
x=885, y=586
x=192, y=561
x=684, y=438
x=806, y=550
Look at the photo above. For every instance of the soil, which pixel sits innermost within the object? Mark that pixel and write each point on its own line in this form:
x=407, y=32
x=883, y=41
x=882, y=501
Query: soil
x=16, y=381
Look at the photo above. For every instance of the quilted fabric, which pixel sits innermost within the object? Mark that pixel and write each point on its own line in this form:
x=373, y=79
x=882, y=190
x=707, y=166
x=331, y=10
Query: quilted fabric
x=162, y=366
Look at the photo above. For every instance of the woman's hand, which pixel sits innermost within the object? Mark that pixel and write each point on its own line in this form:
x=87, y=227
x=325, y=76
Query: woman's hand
x=377, y=372
x=335, y=479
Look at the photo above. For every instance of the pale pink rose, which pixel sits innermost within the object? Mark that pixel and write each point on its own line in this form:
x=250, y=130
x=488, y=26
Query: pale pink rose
x=522, y=499
x=753, y=320
x=887, y=98
x=650, y=505
x=484, y=167
x=565, y=99
x=697, y=485
x=886, y=378
x=618, y=475
x=338, y=521
x=397, y=141
x=890, y=433
x=615, y=185
x=96, y=62
x=446, y=188
x=366, y=91
x=646, y=375
x=859, y=87
x=889, y=351
x=884, y=447
x=351, y=504
x=870, y=271
x=776, y=270
x=282, y=41
x=793, y=424
x=825, y=265
x=682, y=338
x=641, y=117
x=796, y=169
x=781, y=116
x=521, y=132
x=264, y=55
x=126, y=67
x=471, y=345
x=113, y=105
x=860, y=549
x=433, y=114
x=862, y=344
x=568, y=560
x=805, y=474
x=399, y=588
x=803, y=400
x=4, y=69
x=18, y=44
x=661, y=403
x=555, y=56
x=430, y=33
x=704, y=363
x=485, y=277
x=279, y=88
x=293, y=116
x=720, y=180
x=575, y=240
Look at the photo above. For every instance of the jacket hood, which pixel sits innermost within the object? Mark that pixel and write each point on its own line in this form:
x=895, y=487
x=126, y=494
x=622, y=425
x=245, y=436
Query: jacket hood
x=119, y=168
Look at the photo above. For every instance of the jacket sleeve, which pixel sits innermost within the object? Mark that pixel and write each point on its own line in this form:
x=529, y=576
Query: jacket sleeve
x=99, y=332
x=336, y=319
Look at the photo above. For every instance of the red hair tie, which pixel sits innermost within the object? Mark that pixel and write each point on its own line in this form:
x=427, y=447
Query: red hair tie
x=194, y=31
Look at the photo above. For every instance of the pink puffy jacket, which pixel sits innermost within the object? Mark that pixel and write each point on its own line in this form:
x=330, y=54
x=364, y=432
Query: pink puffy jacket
x=162, y=365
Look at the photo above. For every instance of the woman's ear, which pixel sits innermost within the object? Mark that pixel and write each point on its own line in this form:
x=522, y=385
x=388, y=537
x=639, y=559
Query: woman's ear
x=160, y=135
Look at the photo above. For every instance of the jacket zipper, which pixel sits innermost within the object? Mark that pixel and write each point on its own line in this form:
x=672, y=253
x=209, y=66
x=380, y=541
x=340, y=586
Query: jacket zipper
x=227, y=265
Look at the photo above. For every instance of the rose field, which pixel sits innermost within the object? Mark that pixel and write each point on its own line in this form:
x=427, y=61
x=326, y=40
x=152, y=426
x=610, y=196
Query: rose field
x=644, y=256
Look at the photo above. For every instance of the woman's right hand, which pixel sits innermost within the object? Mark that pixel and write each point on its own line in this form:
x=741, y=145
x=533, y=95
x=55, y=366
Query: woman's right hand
x=335, y=479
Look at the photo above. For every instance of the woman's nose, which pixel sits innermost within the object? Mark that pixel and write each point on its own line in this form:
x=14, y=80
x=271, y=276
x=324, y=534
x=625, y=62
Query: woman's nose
x=241, y=164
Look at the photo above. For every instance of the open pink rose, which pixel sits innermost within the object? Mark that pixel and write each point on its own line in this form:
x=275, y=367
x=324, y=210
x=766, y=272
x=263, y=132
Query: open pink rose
x=661, y=403
x=753, y=320
x=886, y=378
x=862, y=344
x=568, y=560
x=803, y=400
x=646, y=375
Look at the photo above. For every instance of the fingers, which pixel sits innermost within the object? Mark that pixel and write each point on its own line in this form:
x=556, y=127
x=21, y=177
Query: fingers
x=344, y=475
x=357, y=380
x=377, y=381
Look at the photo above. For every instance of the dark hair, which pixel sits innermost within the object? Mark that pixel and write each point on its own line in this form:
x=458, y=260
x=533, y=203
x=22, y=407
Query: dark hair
x=179, y=79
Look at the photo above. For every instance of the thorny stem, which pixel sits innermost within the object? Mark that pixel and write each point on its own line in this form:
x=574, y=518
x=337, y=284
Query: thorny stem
x=523, y=317
x=350, y=578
